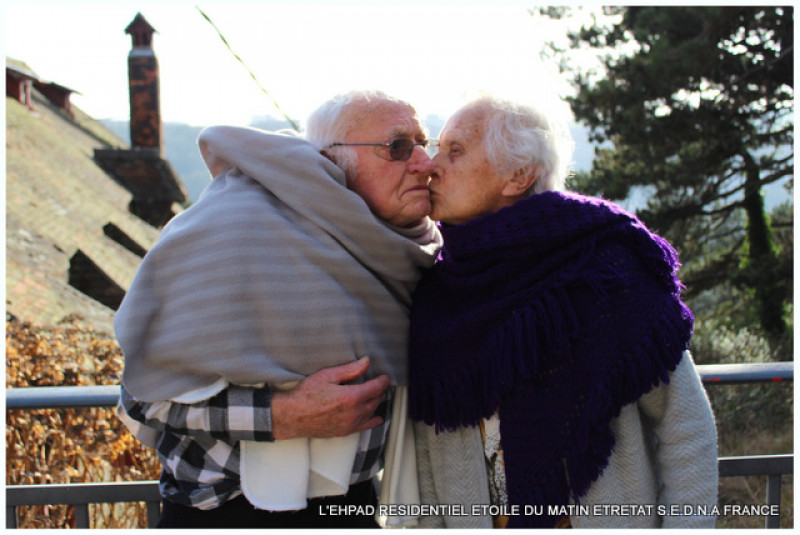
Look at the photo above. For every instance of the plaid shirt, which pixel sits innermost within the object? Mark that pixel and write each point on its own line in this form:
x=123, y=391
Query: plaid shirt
x=199, y=444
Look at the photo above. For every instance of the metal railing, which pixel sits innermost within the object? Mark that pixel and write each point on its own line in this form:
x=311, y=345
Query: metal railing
x=82, y=494
x=772, y=466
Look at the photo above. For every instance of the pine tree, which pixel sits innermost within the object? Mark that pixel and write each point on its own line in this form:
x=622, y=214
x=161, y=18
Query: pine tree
x=695, y=109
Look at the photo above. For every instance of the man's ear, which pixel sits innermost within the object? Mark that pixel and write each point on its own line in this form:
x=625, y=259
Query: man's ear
x=522, y=180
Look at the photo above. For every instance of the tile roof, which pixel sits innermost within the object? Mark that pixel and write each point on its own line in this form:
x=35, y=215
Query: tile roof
x=58, y=201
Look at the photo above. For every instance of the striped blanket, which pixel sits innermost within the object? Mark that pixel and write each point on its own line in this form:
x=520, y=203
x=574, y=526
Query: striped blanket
x=277, y=271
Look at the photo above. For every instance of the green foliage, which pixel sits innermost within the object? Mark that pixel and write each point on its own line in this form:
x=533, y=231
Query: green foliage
x=695, y=108
x=755, y=407
x=721, y=291
x=752, y=419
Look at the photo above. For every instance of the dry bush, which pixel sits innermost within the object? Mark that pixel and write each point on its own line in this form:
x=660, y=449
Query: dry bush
x=70, y=445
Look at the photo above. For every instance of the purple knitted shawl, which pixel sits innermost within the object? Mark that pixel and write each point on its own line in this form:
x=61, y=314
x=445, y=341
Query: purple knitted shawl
x=556, y=311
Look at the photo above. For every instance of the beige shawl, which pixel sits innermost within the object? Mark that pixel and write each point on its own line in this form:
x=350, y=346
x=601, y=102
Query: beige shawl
x=277, y=271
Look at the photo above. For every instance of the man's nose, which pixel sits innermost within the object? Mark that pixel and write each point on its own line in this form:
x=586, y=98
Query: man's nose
x=420, y=162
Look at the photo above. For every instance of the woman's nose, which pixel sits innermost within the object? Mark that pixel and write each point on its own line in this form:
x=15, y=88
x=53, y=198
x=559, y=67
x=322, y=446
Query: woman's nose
x=437, y=162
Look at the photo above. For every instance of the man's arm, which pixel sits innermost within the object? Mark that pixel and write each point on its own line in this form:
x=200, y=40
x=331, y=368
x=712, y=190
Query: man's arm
x=235, y=413
x=320, y=406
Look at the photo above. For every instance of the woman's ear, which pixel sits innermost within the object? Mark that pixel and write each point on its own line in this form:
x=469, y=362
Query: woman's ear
x=522, y=180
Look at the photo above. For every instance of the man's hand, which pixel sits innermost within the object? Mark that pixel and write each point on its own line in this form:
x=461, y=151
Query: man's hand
x=322, y=407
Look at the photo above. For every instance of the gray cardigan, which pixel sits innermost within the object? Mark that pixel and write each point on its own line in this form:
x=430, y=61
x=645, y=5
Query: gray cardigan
x=664, y=462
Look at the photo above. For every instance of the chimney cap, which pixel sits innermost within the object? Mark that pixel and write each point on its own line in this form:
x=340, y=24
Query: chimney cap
x=139, y=25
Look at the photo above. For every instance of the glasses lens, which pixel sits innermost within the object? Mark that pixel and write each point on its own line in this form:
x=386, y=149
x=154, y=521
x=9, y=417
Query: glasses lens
x=400, y=149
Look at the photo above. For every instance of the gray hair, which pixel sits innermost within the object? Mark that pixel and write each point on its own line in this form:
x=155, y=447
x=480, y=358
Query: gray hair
x=521, y=136
x=331, y=122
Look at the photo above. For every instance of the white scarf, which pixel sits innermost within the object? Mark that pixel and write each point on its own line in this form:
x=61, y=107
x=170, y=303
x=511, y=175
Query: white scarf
x=276, y=272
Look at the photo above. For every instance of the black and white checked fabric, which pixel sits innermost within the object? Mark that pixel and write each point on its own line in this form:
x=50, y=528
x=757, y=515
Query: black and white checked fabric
x=199, y=444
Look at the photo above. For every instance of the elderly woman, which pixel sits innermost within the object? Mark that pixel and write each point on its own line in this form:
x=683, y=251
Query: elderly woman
x=548, y=347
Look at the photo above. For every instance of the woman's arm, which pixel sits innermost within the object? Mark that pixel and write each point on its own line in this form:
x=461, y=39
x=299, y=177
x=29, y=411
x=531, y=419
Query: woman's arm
x=681, y=418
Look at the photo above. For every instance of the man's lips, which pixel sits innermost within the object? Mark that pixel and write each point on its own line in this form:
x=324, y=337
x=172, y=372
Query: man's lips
x=421, y=187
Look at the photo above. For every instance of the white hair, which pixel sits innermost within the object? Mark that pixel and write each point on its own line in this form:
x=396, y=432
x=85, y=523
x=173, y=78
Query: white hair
x=332, y=121
x=524, y=137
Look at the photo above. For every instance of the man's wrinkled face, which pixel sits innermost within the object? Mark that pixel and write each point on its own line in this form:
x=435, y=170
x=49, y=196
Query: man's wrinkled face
x=396, y=191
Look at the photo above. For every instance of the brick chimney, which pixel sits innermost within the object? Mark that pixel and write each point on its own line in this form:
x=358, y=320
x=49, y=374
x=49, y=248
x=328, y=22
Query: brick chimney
x=146, y=129
x=142, y=169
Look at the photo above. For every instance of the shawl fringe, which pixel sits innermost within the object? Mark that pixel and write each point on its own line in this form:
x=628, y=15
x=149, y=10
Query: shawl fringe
x=535, y=337
x=646, y=367
x=592, y=447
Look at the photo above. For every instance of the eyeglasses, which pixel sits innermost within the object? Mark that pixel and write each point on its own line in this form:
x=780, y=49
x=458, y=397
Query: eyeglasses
x=400, y=149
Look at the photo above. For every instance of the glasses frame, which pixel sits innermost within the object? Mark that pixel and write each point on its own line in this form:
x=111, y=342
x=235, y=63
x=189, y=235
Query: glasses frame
x=393, y=154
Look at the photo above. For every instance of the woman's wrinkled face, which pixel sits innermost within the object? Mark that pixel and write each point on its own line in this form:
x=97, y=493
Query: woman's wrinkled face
x=464, y=185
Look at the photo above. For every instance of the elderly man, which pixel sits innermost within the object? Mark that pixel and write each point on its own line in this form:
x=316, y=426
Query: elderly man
x=291, y=276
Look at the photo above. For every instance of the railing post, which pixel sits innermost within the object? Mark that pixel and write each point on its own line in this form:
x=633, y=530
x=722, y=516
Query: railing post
x=11, y=517
x=773, y=498
x=81, y=516
x=153, y=513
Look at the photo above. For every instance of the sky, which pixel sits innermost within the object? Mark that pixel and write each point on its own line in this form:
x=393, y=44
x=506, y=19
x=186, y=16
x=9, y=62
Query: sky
x=431, y=53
